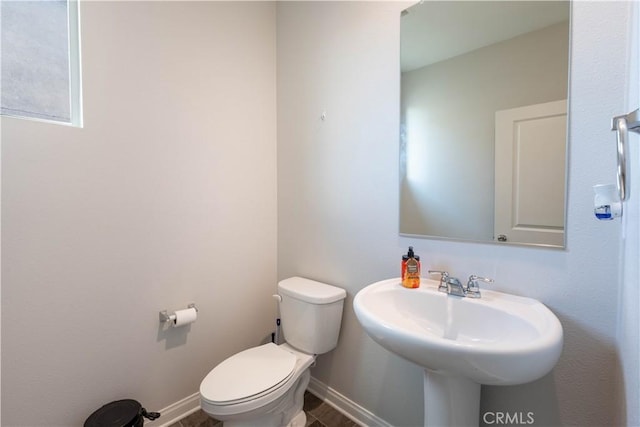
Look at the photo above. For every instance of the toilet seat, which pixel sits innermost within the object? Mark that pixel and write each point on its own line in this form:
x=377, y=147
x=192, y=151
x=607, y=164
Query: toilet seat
x=248, y=375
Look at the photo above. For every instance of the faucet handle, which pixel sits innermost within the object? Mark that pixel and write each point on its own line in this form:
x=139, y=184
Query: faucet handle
x=473, y=288
x=444, y=276
x=441, y=273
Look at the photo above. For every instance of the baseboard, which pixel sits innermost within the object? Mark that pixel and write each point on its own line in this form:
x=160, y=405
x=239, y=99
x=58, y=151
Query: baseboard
x=176, y=411
x=346, y=406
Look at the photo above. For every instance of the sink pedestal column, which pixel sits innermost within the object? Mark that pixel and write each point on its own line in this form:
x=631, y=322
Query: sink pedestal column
x=450, y=401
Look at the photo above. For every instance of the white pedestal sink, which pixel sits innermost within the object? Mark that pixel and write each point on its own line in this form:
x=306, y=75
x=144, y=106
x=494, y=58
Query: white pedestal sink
x=499, y=339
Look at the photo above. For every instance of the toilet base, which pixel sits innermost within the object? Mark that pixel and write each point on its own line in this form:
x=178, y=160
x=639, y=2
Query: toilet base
x=299, y=420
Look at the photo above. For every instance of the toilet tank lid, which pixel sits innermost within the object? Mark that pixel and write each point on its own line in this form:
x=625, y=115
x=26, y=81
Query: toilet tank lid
x=311, y=291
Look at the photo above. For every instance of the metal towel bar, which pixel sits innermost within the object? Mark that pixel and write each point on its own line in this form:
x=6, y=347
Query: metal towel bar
x=622, y=125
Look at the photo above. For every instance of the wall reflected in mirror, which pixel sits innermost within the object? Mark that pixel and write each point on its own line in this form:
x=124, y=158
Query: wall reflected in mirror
x=484, y=121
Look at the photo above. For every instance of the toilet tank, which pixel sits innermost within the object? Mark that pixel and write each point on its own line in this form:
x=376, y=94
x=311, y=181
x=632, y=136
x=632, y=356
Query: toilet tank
x=311, y=314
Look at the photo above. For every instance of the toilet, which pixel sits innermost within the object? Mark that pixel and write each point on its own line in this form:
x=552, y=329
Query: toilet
x=264, y=385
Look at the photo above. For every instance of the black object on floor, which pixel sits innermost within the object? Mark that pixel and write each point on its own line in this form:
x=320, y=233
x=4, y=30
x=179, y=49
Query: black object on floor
x=120, y=413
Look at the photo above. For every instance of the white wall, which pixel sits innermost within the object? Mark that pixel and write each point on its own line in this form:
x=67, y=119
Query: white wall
x=173, y=180
x=166, y=196
x=338, y=207
x=629, y=308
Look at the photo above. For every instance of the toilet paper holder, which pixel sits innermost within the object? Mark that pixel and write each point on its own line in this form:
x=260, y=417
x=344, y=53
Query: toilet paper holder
x=166, y=317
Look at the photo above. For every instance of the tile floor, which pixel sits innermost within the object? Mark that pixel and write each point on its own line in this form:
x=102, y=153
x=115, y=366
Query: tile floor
x=319, y=414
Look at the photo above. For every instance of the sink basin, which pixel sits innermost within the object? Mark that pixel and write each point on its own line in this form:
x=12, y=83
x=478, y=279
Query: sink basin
x=499, y=339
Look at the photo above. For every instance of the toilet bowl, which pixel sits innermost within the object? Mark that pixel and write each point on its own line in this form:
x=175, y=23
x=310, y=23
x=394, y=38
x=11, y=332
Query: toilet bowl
x=264, y=386
x=261, y=386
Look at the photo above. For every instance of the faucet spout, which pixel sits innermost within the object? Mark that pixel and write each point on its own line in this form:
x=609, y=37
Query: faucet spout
x=454, y=287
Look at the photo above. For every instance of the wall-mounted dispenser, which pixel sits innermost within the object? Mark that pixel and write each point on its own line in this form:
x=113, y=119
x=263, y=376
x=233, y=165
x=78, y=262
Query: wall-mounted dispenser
x=606, y=203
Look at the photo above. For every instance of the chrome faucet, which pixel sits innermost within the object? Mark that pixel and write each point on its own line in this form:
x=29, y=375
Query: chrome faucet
x=473, y=288
x=444, y=276
x=452, y=286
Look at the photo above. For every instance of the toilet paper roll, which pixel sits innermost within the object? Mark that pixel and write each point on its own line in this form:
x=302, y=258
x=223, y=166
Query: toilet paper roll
x=184, y=317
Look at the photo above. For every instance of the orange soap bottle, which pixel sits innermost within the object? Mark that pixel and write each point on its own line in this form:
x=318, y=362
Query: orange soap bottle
x=403, y=267
x=410, y=269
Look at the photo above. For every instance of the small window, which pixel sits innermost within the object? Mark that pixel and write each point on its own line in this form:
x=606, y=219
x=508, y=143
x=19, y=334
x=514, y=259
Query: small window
x=41, y=60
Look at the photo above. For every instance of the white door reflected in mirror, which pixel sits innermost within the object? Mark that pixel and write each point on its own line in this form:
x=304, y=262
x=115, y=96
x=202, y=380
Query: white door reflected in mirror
x=530, y=172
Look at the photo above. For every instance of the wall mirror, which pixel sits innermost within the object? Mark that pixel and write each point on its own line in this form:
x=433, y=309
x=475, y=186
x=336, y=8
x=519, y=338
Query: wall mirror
x=483, y=137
